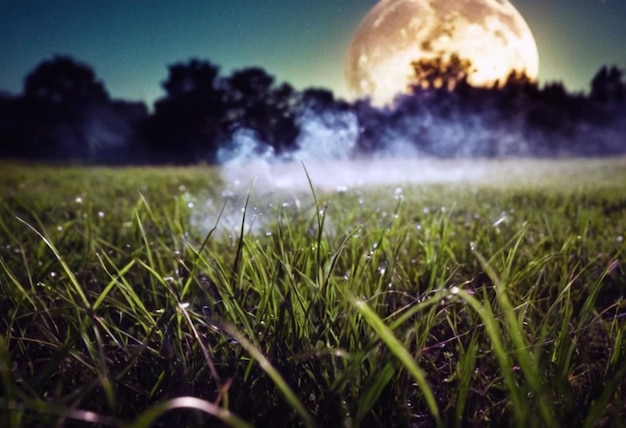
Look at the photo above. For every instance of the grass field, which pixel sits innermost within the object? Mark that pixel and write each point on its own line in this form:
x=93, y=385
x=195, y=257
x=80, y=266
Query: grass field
x=124, y=301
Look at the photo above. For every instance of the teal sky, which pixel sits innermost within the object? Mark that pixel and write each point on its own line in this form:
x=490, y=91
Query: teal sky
x=129, y=43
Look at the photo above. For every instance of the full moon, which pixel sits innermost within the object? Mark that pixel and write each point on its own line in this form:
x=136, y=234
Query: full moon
x=491, y=34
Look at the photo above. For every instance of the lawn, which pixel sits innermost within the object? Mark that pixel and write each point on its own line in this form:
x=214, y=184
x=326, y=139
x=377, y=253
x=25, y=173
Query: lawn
x=145, y=297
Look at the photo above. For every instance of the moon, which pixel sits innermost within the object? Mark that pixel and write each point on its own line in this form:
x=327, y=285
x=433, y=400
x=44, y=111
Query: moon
x=491, y=34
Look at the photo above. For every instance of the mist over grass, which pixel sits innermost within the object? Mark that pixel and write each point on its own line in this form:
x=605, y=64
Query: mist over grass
x=270, y=182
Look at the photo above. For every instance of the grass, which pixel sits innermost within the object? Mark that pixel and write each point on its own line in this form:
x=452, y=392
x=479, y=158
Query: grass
x=464, y=305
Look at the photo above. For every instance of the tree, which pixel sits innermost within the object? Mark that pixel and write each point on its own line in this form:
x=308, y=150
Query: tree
x=64, y=82
x=256, y=103
x=59, y=98
x=441, y=73
x=607, y=86
x=607, y=96
x=12, y=142
x=195, y=76
x=189, y=123
x=65, y=113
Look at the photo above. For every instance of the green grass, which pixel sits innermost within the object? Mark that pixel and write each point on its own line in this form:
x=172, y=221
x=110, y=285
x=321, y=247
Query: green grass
x=492, y=304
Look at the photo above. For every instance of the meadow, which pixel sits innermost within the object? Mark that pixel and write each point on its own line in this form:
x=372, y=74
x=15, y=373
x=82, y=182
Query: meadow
x=143, y=297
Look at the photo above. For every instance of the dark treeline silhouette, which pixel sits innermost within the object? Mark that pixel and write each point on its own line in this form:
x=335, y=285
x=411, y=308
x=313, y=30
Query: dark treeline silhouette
x=65, y=114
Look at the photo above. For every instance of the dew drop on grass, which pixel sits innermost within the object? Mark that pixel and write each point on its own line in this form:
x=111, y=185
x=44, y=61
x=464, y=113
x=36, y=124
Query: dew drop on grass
x=620, y=239
x=382, y=268
x=101, y=214
x=53, y=274
x=60, y=228
x=228, y=194
x=78, y=200
x=206, y=311
x=499, y=221
x=398, y=193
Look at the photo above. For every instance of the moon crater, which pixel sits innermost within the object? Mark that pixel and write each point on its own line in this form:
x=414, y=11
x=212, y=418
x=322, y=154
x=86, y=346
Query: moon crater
x=489, y=34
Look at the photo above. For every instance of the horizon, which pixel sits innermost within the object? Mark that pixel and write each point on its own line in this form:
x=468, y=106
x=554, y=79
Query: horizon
x=298, y=43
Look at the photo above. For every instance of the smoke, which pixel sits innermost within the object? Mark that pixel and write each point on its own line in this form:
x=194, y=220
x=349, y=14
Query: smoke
x=344, y=148
x=369, y=147
x=328, y=135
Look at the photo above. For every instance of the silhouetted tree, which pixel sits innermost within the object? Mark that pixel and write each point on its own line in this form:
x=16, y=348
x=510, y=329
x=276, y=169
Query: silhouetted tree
x=65, y=114
x=317, y=99
x=255, y=103
x=12, y=138
x=64, y=82
x=373, y=124
x=189, y=123
x=607, y=86
x=440, y=72
x=607, y=98
x=59, y=95
x=195, y=76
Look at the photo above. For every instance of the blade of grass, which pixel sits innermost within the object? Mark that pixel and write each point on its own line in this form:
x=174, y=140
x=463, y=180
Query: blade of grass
x=522, y=350
x=149, y=417
x=467, y=363
x=77, y=288
x=291, y=398
x=372, y=392
x=495, y=335
x=405, y=357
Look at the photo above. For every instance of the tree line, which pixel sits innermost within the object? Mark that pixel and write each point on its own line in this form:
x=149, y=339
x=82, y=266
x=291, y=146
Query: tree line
x=65, y=114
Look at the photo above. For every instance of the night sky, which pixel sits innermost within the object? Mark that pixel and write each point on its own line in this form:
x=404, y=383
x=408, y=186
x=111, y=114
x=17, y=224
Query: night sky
x=129, y=43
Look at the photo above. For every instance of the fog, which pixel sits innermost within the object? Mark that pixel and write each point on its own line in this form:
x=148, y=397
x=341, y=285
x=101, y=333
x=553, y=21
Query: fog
x=328, y=159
